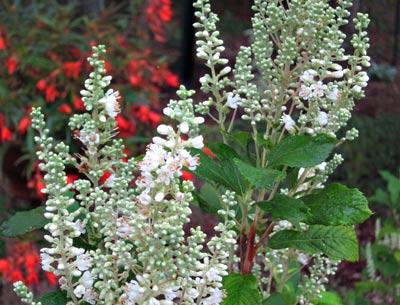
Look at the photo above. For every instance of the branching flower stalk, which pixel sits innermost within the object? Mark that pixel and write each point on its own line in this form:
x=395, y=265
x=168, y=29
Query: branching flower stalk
x=294, y=79
x=122, y=241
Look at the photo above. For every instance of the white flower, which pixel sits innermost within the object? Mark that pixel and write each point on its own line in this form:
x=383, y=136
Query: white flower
x=89, y=138
x=197, y=142
x=308, y=76
x=199, y=120
x=47, y=260
x=322, y=166
x=79, y=291
x=302, y=259
x=154, y=301
x=288, y=121
x=87, y=279
x=168, y=111
x=123, y=227
x=233, y=100
x=184, y=127
x=305, y=92
x=159, y=196
x=144, y=198
x=110, y=181
x=318, y=89
x=322, y=118
x=79, y=227
x=333, y=95
x=188, y=160
x=90, y=297
x=171, y=293
x=356, y=89
x=83, y=262
x=336, y=74
x=213, y=275
x=192, y=293
x=214, y=299
x=165, y=129
x=111, y=104
x=363, y=77
x=134, y=291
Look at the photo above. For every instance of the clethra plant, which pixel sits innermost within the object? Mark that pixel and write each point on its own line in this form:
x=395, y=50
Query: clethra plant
x=282, y=229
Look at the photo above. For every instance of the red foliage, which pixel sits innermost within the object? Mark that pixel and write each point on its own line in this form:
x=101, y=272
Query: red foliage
x=11, y=65
x=24, y=124
x=78, y=104
x=72, y=69
x=104, y=178
x=51, y=93
x=65, y=108
x=158, y=12
x=23, y=264
x=126, y=128
x=187, y=176
x=208, y=152
x=2, y=43
x=145, y=115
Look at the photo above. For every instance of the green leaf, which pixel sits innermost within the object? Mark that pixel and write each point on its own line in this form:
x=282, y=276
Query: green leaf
x=54, y=298
x=222, y=170
x=283, y=207
x=260, y=178
x=328, y=298
x=393, y=185
x=302, y=150
x=23, y=222
x=275, y=299
x=208, y=199
x=337, y=205
x=380, y=197
x=241, y=290
x=337, y=242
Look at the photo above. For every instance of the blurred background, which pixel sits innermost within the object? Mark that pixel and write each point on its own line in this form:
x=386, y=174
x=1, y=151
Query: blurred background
x=43, y=46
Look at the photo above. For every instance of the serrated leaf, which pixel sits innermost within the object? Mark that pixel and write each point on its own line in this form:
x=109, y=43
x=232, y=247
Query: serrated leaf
x=241, y=290
x=283, y=207
x=260, y=178
x=337, y=205
x=208, y=199
x=222, y=170
x=302, y=150
x=23, y=222
x=54, y=298
x=337, y=242
x=275, y=299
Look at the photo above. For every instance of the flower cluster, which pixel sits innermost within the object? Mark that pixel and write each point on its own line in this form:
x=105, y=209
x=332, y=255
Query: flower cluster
x=295, y=82
x=134, y=247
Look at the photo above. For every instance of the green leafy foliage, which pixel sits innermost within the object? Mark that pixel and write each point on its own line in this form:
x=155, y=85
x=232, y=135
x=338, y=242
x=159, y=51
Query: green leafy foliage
x=283, y=207
x=302, y=150
x=260, y=178
x=241, y=290
x=275, y=299
x=337, y=242
x=328, y=298
x=222, y=170
x=54, y=298
x=337, y=205
x=23, y=222
x=393, y=187
x=208, y=199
